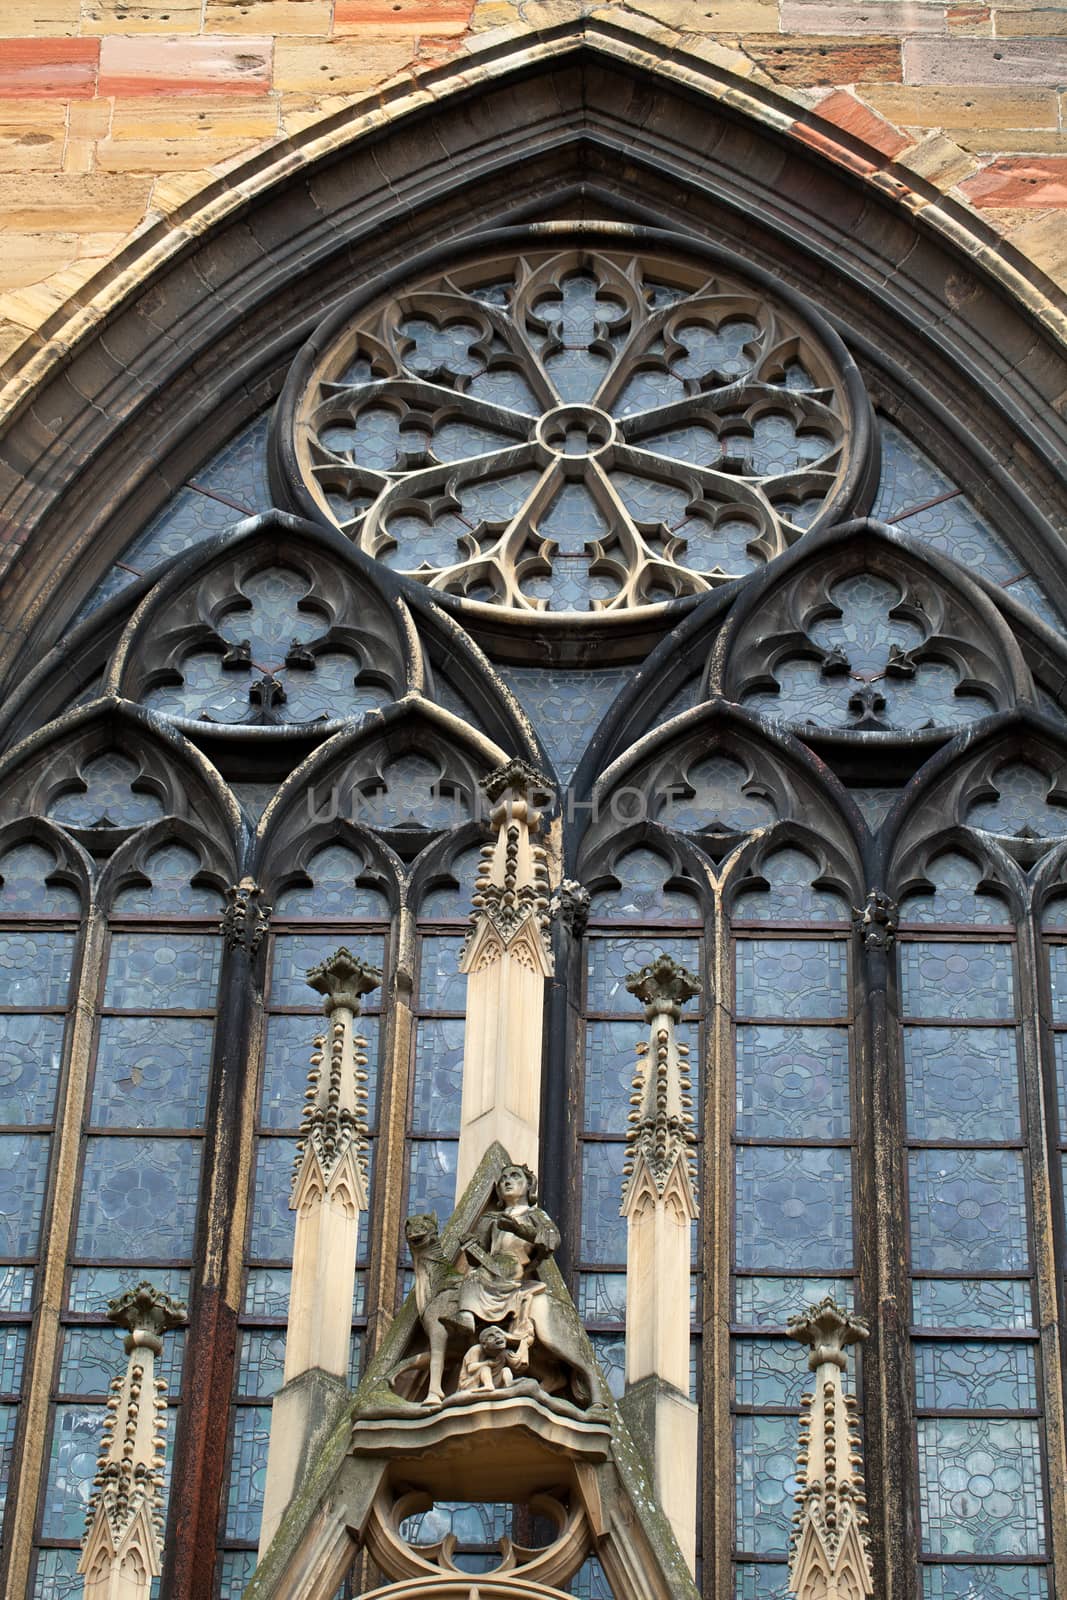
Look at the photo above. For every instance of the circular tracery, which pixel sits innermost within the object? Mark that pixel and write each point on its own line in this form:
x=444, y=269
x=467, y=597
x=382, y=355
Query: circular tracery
x=575, y=430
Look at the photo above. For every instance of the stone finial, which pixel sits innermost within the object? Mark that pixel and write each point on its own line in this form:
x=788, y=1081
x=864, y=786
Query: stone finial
x=245, y=919
x=876, y=921
x=510, y=902
x=829, y=1554
x=333, y=1135
x=661, y=1122
x=122, y=1548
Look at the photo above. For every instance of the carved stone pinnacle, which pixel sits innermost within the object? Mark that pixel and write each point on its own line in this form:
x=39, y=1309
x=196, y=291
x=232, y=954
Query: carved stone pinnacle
x=344, y=979
x=146, y=1311
x=518, y=777
x=828, y=1330
x=663, y=986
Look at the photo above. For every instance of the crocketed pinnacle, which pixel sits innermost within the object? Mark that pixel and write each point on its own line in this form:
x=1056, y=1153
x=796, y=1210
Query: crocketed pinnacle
x=661, y=1121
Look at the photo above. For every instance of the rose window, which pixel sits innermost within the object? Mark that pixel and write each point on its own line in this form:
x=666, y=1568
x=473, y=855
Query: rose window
x=574, y=431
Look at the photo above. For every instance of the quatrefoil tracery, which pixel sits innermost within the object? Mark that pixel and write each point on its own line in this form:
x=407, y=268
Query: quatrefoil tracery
x=573, y=431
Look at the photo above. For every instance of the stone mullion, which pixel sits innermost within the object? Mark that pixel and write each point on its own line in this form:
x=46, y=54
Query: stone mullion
x=57, y=1232
x=1041, y=1134
x=229, y=1146
x=715, y=1191
x=390, y=1168
x=880, y=1200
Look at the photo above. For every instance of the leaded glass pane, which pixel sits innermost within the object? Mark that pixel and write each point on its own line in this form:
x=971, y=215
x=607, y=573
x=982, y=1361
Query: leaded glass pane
x=294, y=953
x=642, y=894
x=610, y=1062
x=261, y=1362
x=792, y=978
x=31, y=1054
x=170, y=890
x=432, y=1182
x=769, y=1372
x=333, y=891
x=875, y=804
x=272, y=1221
x=290, y=1042
x=410, y=794
x=453, y=901
x=984, y=1583
x=16, y=1288
x=162, y=971
x=953, y=1375
x=955, y=897
x=770, y=1302
x=75, y=1446
x=126, y=1181
x=1054, y=914
x=106, y=797
x=248, y=1471
x=235, y=1569
x=968, y=1211
x=603, y=1237
x=962, y=1083
x=610, y=1351
x=946, y=1303
x=1022, y=805
x=438, y=1084
x=92, y=1287
x=23, y=887
x=980, y=1485
x=566, y=704
x=610, y=960
x=790, y=895
x=35, y=968
x=602, y=1297
x=590, y=1583
x=57, y=1576
x=1057, y=968
x=717, y=794
x=23, y=1175
x=267, y=1292
x=12, y=1358
x=152, y=1072
x=1060, y=1049
x=765, y=1451
x=792, y=1082
x=442, y=987
x=92, y=1356
x=953, y=979
x=761, y=1581
x=793, y=1208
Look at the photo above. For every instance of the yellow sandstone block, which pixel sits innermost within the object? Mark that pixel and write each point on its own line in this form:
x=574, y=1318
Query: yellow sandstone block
x=712, y=16
x=140, y=16
x=1041, y=21
x=32, y=135
x=48, y=19
x=28, y=257
x=919, y=106
x=304, y=18
x=59, y=203
x=168, y=118
x=339, y=66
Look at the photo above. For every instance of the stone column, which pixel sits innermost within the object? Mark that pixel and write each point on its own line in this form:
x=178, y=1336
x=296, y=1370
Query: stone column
x=123, y=1545
x=329, y=1192
x=829, y=1557
x=508, y=959
x=659, y=1205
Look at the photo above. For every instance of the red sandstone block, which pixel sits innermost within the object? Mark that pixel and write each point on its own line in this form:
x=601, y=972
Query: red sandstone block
x=142, y=64
x=38, y=69
x=850, y=114
x=1020, y=181
x=439, y=17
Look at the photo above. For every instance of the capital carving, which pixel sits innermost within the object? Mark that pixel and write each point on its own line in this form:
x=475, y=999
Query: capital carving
x=876, y=921
x=343, y=979
x=245, y=920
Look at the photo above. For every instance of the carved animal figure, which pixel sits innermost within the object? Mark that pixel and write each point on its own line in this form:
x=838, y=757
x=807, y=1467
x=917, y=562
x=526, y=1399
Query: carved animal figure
x=437, y=1296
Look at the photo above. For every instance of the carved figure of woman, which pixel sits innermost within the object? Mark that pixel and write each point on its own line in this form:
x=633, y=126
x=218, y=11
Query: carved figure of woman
x=503, y=1252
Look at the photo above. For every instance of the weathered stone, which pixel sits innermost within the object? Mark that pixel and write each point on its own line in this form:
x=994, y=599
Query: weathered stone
x=910, y=106
x=940, y=160
x=51, y=19
x=985, y=61
x=404, y=18
x=826, y=60
x=1050, y=21
x=268, y=17
x=883, y=16
x=32, y=135
x=1020, y=182
x=184, y=66
x=142, y=16
x=59, y=202
x=850, y=114
x=40, y=68
x=337, y=66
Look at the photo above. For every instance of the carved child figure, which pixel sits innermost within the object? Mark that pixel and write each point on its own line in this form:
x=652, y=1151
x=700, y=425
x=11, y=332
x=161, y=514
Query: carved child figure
x=489, y=1364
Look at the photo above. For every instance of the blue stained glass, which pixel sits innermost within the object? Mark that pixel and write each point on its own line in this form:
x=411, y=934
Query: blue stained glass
x=968, y=1375
x=267, y=1293
x=790, y=895
x=93, y=1356
x=793, y=1209
x=566, y=706
x=334, y=890
x=642, y=894
x=980, y=1487
x=610, y=1351
x=432, y=1177
x=504, y=385
x=573, y=516
x=330, y=691
x=1022, y=804
x=75, y=1446
x=92, y=1287
x=1054, y=914
x=35, y=968
x=769, y=1372
x=23, y=887
x=697, y=443
x=248, y=1471
x=261, y=1362
x=648, y=388
x=413, y=794
x=962, y=1083
x=12, y=1358
x=170, y=889
x=31, y=1053
x=571, y=584
x=950, y=979
x=287, y=1061
x=610, y=1062
x=792, y=1082
x=162, y=971
x=762, y=1581
x=23, y=1175
x=57, y=1576
x=1060, y=1047
x=438, y=1086
x=765, y=1451
x=719, y=546
x=720, y=350
x=452, y=902
x=126, y=1182
x=611, y=960
x=476, y=1523
x=875, y=804
x=603, y=1232
x=910, y=478
x=968, y=1211
x=460, y=437
x=442, y=987
x=1057, y=969
x=294, y=953
x=434, y=347
x=274, y=616
x=16, y=1288
x=254, y=798
x=207, y=690
x=956, y=897
x=717, y=794
x=774, y=443
x=151, y=1072
x=234, y=1569
x=651, y=500
x=272, y=1221
x=105, y=796
x=373, y=437
x=1030, y=592
x=602, y=1297
x=993, y=1303
x=794, y=978
x=984, y=1583
x=590, y=1582
x=770, y=1302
